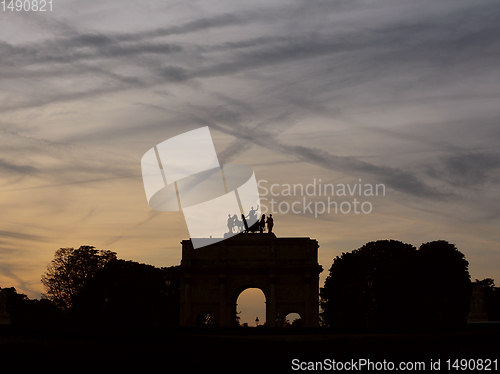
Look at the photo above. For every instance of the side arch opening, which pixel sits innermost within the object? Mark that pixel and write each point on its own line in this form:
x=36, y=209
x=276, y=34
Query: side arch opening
x=292, y=319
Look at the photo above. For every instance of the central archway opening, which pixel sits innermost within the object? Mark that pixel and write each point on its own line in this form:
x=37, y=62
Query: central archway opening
x=251, y=308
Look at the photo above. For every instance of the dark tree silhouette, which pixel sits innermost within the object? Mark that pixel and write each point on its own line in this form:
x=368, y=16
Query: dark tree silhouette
x=361, y=281
x=28, y=312
x=441, y=284
x=70, y=270
x=390, y=284
x=128, y=292
x=491, y=298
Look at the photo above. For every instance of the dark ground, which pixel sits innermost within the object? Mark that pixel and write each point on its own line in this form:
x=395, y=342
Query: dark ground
x=231, y=350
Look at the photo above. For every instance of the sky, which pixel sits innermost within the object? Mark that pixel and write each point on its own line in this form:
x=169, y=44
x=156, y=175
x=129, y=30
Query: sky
x=399, y=93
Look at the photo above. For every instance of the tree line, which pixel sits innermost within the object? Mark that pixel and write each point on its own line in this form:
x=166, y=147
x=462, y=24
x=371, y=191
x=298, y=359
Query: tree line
x=86, y=286
x=389, y=284
x=384, y=284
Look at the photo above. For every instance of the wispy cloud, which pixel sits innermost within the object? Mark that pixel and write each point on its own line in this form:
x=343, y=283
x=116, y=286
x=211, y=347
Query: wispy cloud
x=10, y=167
x=468, y=169
x=19, y=235
x=399, y=180
x=425, y=52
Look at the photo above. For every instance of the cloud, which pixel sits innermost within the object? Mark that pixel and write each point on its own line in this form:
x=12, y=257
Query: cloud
x=173, y=74
x=42, y=163
x=86, y=45
x=417, y=53
x=399, y=180
x=234, y=149
x=6, y=270
x=9, y=167
x=467, y=169
x=151, y=215
x=18, y=235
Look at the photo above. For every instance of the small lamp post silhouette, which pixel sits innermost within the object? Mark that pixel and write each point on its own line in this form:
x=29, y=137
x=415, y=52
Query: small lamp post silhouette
x=257, y=322
x=171, y=297
x=279, y=322
x=168, y=282
x=369, y=281
x=371, y=301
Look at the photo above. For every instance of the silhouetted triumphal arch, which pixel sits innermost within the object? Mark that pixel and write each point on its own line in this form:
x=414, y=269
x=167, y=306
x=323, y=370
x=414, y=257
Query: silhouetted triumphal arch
x=286, y=270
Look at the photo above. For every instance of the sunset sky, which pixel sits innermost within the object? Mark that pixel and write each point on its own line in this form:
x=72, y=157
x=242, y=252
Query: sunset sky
x=400, y=93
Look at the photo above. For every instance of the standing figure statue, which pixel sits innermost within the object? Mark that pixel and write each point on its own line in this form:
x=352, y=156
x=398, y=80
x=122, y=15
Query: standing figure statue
x=230, y=223
x=252, y=215
x=262, y=223
x=270, y=223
